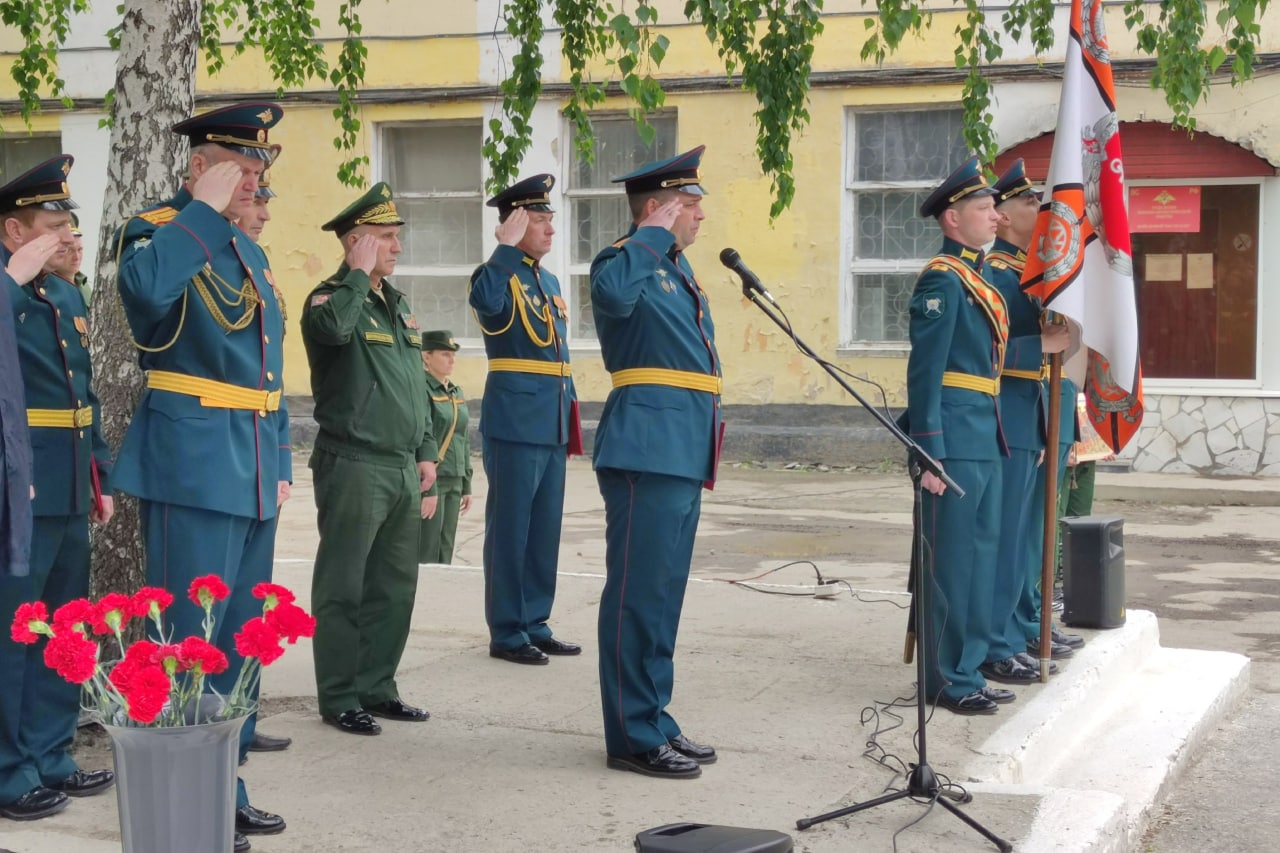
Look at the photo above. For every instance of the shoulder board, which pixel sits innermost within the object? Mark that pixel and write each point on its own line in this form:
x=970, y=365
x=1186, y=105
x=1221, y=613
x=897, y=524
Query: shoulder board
x=621, y=243
x=940, y=267
x=160, y=215
x=998, y=264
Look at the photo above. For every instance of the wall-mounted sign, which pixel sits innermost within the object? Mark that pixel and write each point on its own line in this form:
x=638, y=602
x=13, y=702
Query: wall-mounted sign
x=1164, y=210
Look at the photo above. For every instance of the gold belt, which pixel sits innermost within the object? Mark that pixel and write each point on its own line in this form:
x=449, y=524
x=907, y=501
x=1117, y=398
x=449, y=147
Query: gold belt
x=68, y=418
x=214, y=394
x=983, y=384
x=530, y=365
x=1033, y=375
x=664, y=376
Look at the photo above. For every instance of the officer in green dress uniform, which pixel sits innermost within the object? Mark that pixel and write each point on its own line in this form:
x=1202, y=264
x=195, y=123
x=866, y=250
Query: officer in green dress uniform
x=450, y=496
x=528, y=425
x=373, y=462
x=207, y=451
x=38, y=708
x=958, y=329
x=656, y=447
x=1022, y=415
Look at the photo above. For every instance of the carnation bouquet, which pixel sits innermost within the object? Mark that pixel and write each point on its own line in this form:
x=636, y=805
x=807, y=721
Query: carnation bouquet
x=156, y=682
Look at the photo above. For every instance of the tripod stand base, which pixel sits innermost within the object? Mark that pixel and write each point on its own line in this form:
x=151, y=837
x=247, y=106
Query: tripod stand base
x=922, y=784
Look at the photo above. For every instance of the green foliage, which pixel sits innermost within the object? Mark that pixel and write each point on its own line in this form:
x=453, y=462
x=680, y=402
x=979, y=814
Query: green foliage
x=771, y=43
x=1172, y=31
x=43, y=27
x=508, y=140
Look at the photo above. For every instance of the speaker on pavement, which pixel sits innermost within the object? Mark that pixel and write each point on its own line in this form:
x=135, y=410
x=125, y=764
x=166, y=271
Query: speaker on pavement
x=702, y=838
x=1093, y=571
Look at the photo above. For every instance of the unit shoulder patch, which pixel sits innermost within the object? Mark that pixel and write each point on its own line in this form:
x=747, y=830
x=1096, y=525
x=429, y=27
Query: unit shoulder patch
x=935, y=305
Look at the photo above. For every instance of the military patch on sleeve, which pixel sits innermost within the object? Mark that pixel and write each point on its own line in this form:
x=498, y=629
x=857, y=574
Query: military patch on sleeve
x=934, y=306
x=159, y=216
x=410, y=321
x=320, y=299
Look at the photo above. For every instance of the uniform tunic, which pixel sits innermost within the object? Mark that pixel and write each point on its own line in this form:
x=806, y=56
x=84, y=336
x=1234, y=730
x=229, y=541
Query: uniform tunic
x=527, y=417
x=38, y=708
x=656, y=446
x=365, y=354
x=200, y=300
x=956, y=342
x=450, y=420
x=1022, y=413
x=15, y=446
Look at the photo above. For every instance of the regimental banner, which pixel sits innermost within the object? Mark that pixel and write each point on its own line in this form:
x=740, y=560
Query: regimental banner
x=1081, y=263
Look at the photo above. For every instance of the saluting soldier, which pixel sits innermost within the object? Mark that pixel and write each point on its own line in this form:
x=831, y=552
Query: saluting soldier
x=528, y=425
x=959, y=328
x=38, y=708
x=450, y=496
x=657, y=446
x=207, y=452
x=1022, y=415
x=373, y=462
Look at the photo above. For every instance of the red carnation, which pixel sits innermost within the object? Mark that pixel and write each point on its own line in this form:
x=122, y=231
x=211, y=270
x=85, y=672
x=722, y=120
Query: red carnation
x=73, y=656
x=136, y=657
x=258, y=639
x=73, y=615
x=291, y=621
x=169, y=657
x=112, y=613
x=273, y=594
x=207, y=589
x=29, y=619
x=149, y=601
x=146, y=692
x=197, y=653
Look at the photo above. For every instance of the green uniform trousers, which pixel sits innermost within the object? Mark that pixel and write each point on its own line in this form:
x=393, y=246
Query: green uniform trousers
x=436, y=542
x=1026, y=614
x=366, y=575
x=1075, y=499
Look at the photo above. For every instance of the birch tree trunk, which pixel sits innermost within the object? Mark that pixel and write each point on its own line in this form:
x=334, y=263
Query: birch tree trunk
x=155, y=89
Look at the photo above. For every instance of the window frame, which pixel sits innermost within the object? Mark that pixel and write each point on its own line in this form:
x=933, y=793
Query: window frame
x=850, y=266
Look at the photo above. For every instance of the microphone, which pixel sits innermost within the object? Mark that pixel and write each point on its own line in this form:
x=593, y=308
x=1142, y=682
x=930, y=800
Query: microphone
x=750, y=282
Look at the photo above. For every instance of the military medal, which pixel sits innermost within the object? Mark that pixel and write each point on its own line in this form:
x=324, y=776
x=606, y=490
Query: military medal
x=82, y=326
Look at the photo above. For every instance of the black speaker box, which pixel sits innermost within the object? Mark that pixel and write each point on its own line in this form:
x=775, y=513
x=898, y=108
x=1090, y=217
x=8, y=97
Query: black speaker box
x=701, y=838
x=1093, y=571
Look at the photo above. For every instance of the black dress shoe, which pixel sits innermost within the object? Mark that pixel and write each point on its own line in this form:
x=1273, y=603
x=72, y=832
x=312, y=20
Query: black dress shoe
x=242, y=844
x=354, y=722
x=394, y=709
x=998, y=695
x=267, y=743
x=1074, y=641
x=528, y=653
x=696, y=751
x=967, y=705
x=1057, y=651
x=1008, y=671
x=251, y=821
x=85, y=783
x=1033, y=663
x=552, y=646
x=35, y=804
x=661, y=762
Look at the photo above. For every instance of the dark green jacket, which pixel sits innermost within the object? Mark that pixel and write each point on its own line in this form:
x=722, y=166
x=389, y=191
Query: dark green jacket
x=366, y=372
x=449, y=421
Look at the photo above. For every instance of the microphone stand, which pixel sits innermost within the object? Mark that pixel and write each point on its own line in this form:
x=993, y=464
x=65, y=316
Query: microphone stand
x=922, y=782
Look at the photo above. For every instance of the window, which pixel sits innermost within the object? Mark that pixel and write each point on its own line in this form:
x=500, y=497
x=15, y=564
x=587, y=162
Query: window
x=435, y=172
x=19, y=153
x=895, y=159
x=598, y=212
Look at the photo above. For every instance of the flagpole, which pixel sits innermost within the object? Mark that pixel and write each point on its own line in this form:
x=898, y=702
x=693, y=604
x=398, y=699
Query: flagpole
x=1049, y=555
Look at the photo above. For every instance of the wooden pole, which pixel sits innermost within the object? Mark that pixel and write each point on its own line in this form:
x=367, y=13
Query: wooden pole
x=1049, y=557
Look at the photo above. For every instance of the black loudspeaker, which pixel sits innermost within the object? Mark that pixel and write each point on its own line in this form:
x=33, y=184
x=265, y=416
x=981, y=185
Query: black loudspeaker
x=1093, y=571
x=701, y=838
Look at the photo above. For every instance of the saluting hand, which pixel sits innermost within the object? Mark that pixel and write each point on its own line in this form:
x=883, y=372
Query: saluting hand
x=28, y=261
x=511, y=232
x=363, y=253
x=663, y=216
x=217, y=186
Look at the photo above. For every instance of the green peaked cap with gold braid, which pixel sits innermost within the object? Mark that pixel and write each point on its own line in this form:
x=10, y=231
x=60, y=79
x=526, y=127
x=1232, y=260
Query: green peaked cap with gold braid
x=375, y=207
